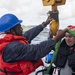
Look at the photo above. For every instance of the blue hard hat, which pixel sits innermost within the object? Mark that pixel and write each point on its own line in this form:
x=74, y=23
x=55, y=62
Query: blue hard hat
x=8, y=21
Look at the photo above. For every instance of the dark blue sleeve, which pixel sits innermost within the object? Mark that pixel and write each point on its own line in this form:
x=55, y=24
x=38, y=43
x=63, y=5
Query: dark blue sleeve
x=33, y=32
x=16, y=51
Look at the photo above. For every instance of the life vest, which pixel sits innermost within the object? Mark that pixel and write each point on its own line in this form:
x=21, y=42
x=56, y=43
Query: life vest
x=65, y=53
x=62, y=55
x=17, y=68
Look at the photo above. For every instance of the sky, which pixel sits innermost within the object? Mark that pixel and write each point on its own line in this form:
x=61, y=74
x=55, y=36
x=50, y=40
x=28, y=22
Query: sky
x=32, y=12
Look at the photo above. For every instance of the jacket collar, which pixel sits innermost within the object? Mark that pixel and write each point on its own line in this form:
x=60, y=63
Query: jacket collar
x=2, y=35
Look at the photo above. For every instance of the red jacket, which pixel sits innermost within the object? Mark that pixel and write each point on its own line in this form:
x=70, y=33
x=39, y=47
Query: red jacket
x=17, y=68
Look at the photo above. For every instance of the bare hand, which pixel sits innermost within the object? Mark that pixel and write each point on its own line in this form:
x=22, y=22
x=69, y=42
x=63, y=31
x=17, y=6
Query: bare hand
x=60, y=34
x=49, y=19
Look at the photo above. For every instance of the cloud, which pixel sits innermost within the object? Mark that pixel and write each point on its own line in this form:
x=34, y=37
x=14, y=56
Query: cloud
x=33, y=12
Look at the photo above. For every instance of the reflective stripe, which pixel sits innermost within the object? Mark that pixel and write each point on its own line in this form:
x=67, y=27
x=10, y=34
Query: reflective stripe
x=73, y=72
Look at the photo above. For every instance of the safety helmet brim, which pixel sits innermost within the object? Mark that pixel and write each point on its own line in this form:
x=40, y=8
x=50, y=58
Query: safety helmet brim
x=3, y=29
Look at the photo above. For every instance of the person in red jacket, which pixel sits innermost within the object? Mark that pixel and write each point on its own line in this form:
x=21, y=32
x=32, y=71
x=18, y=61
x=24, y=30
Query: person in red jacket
x=17, y=55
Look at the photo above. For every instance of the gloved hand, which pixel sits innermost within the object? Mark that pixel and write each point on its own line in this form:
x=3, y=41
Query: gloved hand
x=49, y=19
x=60, y=34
